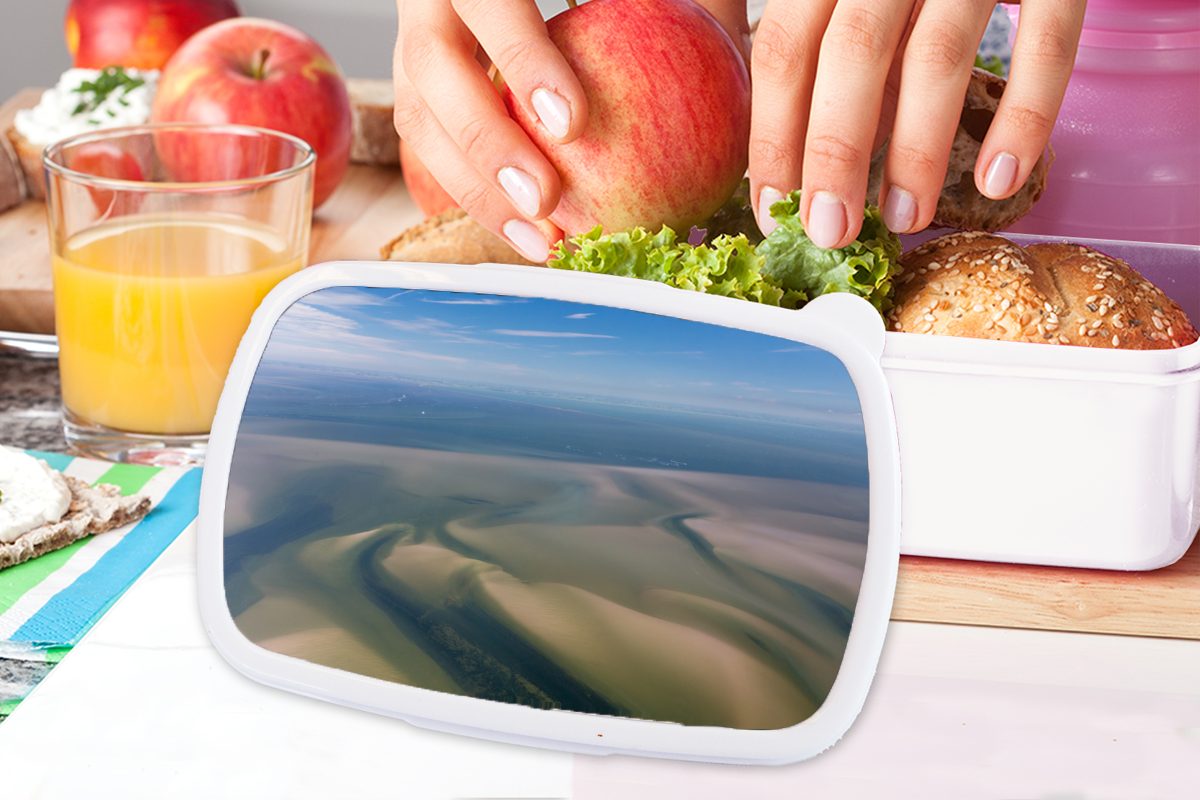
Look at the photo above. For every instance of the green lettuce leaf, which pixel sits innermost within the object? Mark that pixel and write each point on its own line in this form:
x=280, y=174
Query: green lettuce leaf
x=786, y=269
x=864, y=267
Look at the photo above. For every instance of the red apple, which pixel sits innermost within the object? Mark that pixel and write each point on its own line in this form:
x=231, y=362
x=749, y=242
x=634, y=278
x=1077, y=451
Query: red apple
x=428, y=194
x=137, y=33
x=668, y=115
x=262, y=73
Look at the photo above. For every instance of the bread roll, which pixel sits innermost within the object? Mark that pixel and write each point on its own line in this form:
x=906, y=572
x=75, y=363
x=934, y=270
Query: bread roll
x=451, y=238
x=960, y=205
x=985, y=287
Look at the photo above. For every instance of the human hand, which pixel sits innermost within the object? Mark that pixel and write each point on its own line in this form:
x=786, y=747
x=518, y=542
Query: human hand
x=449, y=112
x=833, y=78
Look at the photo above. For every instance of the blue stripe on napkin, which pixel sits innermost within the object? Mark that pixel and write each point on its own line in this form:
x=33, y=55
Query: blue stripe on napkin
x=68, y=614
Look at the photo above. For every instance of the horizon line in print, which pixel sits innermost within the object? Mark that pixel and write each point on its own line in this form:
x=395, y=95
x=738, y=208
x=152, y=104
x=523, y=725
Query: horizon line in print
x=550, y=503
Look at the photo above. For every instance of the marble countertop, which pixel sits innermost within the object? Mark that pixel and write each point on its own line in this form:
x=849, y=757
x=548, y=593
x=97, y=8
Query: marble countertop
x=29, y=403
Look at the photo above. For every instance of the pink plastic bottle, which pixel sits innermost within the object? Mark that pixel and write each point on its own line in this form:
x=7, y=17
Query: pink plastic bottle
x=1128, y=136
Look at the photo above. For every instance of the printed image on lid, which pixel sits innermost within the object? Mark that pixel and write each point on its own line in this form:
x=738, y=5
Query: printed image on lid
x=552, y=504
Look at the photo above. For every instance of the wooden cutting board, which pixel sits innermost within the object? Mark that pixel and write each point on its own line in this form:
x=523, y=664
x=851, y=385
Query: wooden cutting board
x=372, y=206
x=368, y=210
x=1164, y=602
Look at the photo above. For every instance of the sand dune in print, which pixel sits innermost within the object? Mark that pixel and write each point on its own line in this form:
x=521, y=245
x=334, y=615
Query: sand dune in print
x=693, y=597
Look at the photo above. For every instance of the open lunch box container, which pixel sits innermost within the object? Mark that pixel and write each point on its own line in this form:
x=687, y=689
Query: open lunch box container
x=422, y=500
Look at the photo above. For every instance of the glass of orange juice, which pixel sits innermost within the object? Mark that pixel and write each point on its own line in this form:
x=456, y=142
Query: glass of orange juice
x=164, y=238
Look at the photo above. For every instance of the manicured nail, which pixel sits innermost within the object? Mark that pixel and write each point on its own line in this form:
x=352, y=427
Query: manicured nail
x=522, y=189
x=528, y=240
x=826, y=219
x=899, y=210
x=553, y=111
x=767, y=197
x=1001, y=175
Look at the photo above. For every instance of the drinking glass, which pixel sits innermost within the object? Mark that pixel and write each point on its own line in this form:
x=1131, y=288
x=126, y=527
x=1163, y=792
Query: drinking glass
x=164, y=238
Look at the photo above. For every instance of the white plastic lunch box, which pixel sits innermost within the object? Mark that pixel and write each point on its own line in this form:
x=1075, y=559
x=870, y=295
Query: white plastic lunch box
x=1066, y=456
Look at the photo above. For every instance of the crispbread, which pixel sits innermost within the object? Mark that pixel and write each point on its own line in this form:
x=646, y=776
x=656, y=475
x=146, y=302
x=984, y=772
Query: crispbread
x=451, y=238
x=93, y=510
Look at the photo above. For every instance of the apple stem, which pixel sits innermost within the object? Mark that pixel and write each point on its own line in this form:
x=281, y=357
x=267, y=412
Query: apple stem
x=259, y=70
x=572, y=3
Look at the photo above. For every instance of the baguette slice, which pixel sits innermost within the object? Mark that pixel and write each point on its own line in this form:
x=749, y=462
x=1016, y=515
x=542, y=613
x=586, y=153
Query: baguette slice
x=12, y=176
x=93, y=510
x=375, y=140
x=451, y=238
x=29, y=155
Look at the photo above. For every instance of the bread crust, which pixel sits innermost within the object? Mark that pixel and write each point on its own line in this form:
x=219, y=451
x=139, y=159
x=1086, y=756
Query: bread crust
x=981, y=286
x=12, y=176
x=960, y=205
x=451, y=238
x=93, y=510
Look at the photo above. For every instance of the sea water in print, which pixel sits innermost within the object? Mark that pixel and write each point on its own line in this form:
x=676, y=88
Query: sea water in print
x=555, y=504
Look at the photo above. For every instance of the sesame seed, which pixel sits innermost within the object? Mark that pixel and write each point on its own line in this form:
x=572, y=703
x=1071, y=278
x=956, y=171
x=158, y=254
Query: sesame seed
x=1062, y=338
x=1005, y=304
x=1097, y=323
x=1116, y=340
x=1158, y=323
x=927, y=327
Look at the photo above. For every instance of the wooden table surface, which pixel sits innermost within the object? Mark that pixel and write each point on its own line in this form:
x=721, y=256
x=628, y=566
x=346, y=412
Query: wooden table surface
x=371, y=207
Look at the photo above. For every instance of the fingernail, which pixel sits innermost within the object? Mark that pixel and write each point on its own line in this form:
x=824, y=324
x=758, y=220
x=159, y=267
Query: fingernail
x=522, y=189
x=767, y=197
x=826, y=219
x=553, y=111
x=528, y=240
x=899, y=210
x=1001, y=175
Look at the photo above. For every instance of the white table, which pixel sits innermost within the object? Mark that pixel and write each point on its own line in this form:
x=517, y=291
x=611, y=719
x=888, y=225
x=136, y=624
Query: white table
x=144, y=707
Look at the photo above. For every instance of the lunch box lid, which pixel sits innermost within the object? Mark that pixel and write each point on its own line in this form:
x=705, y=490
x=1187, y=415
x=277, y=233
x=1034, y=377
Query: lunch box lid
x=843, y=326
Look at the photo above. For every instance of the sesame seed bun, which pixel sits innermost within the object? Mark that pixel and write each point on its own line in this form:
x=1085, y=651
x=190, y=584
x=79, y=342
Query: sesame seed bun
x=984, y=287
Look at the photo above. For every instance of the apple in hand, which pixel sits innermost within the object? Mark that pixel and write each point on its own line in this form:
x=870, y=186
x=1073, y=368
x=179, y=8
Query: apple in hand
x=428, y=194
x=668, y=115
x=262, y=73
x=142, y=34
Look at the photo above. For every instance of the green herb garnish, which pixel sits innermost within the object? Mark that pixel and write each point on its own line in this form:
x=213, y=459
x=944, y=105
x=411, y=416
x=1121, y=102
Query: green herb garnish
x=112, y=79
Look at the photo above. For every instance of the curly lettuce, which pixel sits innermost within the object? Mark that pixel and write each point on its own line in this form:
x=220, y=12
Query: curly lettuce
x=786, y=269
x=864, y=267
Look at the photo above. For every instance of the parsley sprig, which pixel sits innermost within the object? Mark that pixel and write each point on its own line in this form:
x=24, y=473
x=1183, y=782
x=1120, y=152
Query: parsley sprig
x=112, y=79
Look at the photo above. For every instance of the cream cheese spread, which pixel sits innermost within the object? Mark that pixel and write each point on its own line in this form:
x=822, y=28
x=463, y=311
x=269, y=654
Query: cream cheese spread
x=87, y=100
x=31, y=494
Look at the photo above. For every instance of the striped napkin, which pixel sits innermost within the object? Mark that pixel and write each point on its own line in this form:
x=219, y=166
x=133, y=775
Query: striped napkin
x=48, y=603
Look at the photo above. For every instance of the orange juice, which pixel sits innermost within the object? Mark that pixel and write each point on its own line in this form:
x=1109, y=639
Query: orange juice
x=149, y=312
